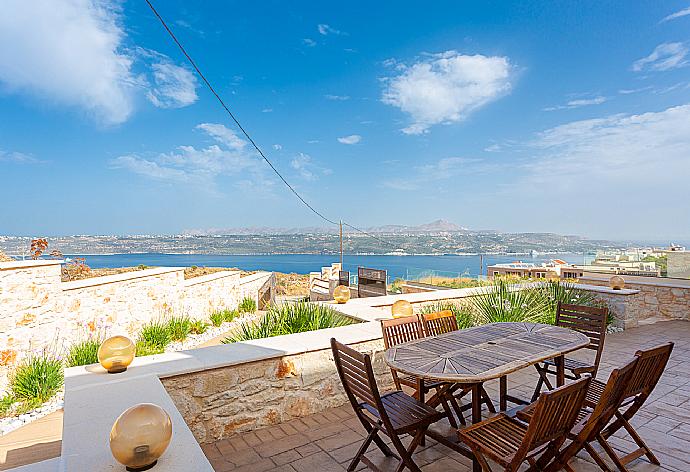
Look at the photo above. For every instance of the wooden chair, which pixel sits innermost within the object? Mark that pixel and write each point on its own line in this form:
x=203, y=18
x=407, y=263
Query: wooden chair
x=590, y=321
x=509, y=442
x=591, y=422
x=650, y=366
x=393, y=414
x=442, y=322
x=402, y=330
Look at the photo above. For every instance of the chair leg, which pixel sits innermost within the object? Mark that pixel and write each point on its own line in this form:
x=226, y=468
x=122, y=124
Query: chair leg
x=644, y=449
x=597, y=458
x=362, y=450
x=611, y=453
x=458, y=410
x=543, y=380
x=487, y=401
x=449, y=413
x=406, y=454
x=479, y=457
x=377, y=440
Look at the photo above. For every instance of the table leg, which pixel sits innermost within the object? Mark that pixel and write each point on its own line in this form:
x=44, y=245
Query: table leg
x=560, y=371
x=476, y=416
x=503, y=392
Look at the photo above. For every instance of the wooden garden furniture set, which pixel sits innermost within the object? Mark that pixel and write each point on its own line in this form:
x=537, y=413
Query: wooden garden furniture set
x=442, y=364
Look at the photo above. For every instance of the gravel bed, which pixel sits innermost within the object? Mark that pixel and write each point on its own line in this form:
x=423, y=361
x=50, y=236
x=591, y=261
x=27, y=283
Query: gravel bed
x=193, y=340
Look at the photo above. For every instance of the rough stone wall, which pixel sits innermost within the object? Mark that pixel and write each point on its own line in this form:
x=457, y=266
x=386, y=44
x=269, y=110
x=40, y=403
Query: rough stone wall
x=655, y=302
x=221, y=402
x=38, y=311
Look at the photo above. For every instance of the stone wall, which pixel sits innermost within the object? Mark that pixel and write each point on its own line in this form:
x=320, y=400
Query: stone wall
x=657, y=300
x=220, y=402
x=39, y=311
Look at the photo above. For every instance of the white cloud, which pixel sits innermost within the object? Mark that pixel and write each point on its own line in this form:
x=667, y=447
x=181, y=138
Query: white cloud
x=580, y=102
x=173, y=86
x=446, y=87
x=69, y=52
x=17, y=158
x=352, y=139
x=267, y=110
x=277, y=147
x=666, y=56
x=325, y=30
x=630, y=156
x=198, y=167
x=309, y=42
x=302, y=163
x=678, y=14
x=443, y=169
x=337, y=97
x=635, y=90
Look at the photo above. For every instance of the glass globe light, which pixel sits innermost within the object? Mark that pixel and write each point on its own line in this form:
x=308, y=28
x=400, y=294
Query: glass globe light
x=341, y=294
x=116, y=353
x=140, y=436
x=617, y=282
x=402, y=308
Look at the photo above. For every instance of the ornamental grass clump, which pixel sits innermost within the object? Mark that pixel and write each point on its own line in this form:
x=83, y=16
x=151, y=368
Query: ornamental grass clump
x=504, y=302
x=288, y=319
x=462, y=314
x=247, y=305
x=197, y=327
x=37, y=379
x=83, y=352
x=179, y=327
x=217, y=318
x=153, y=338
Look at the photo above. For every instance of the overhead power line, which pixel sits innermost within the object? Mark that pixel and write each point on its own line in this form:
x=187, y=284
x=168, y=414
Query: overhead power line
x=246, y=134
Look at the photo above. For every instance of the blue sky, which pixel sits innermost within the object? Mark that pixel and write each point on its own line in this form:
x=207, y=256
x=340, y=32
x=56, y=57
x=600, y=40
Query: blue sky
x=571, y=117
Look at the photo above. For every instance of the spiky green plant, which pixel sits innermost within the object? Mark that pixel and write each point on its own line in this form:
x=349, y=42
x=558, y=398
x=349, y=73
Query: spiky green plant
x=229, y=315
x=37, y=378
x=555, y=291
x=247, y=305
x=502, y=301
x=462, y=313
x=155, y=334
x=217, y=318
x=143, y=348
x=179, y=327
x=288, y=319
x=6, y=403
x=198, y=327
x=83, y=352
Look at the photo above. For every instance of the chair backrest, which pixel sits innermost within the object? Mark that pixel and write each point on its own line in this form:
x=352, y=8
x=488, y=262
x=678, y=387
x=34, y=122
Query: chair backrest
x=650, y=366
x=439, y=323
x=401, y=330
x=588, y=320
x=356, y=375
x=555, y=413
x=610, y=400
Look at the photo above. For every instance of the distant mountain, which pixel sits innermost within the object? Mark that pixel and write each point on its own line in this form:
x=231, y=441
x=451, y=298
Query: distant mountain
x=438, y=226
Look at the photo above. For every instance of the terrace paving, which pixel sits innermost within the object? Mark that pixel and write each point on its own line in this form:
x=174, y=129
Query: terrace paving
x=327, y=441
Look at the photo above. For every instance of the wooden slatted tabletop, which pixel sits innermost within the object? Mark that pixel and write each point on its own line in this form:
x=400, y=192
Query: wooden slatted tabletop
x=482, y=353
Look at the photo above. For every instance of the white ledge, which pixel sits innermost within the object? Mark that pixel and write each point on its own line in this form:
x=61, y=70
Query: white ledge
x=209, y=277
x=29, y=263
x=109, y=279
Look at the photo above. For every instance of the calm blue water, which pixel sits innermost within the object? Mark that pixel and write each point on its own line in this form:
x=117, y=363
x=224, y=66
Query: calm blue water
x=397, y=266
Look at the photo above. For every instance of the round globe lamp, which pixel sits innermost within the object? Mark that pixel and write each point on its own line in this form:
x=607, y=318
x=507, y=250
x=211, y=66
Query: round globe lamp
x=341, y=294
x=116, y=353
x=616, y=282
x=140, y=436
x=402, y=308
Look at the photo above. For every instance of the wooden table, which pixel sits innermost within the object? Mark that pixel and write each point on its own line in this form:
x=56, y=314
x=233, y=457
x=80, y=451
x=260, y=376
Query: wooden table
x=475, y=355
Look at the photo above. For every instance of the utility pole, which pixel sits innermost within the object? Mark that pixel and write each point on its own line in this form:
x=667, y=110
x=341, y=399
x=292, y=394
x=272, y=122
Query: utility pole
x=341, y=244
x=481, y=265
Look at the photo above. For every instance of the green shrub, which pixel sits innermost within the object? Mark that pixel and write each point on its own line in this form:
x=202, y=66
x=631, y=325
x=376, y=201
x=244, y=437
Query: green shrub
x=501, y=302
x=556, y=291
x=288, y=319
x=229, y=315
x=155, y=334
x=37, y=378
x=6, y=403
x=197, y=327
x=83, y=352
x=462, y=314
x=145, y=349
x=217, y=318
x=179, y=327
x=247, y=305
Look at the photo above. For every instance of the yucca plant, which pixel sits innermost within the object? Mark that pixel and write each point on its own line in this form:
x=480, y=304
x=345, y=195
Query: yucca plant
x=83, y=352
x=501, y=302
x=37, y=378
x=555, y=291
x=217, y=318
x=288, y=319
x=197, y=327
x=229, y=315
x=462, y=314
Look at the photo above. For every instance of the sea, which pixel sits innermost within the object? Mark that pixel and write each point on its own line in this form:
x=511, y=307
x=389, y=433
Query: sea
x=398, y=266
